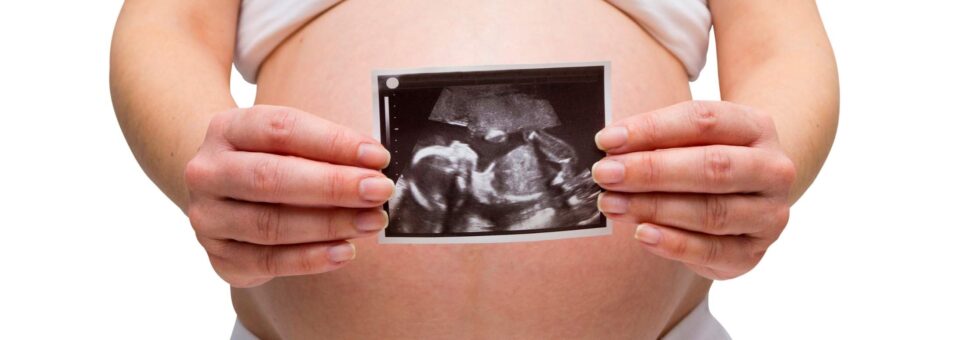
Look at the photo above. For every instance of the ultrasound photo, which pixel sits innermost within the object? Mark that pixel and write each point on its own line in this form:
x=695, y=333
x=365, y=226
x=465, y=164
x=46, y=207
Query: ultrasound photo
x=492, y=153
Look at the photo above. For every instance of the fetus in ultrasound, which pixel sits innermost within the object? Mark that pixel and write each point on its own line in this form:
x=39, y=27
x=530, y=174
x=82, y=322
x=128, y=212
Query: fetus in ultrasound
x=492, y=166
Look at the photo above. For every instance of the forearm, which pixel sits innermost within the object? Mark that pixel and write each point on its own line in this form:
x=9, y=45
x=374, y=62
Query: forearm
x=775, y=56
x=169, y=73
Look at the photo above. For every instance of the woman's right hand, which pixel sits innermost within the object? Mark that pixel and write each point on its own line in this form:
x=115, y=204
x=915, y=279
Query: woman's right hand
x=276, y=191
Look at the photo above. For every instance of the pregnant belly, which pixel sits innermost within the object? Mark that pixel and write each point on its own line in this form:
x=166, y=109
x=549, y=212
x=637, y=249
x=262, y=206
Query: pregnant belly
x=597, y=287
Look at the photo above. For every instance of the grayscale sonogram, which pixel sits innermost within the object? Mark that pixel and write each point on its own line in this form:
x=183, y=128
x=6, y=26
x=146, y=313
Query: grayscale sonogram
x=492, y=153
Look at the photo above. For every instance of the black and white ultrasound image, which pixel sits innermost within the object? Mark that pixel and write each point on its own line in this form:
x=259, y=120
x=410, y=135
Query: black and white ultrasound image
x=492, y=152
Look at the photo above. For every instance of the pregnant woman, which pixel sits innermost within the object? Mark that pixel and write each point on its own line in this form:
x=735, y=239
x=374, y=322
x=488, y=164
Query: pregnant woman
x=281, y=194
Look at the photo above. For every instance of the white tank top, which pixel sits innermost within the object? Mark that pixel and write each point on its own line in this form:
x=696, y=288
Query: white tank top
x=681, y=26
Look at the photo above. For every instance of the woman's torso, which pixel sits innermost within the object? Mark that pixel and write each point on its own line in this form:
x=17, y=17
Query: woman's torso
x=599, y=287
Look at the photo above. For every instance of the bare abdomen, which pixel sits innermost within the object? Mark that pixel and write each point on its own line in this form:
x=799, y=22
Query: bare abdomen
x=598, y=287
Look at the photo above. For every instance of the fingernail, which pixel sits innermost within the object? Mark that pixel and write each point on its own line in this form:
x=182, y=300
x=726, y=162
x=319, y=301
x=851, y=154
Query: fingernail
x=376, y=189
x=342, y=252
x=647, y=234
x=371, y=220
x=373, y=155
x=611, y=137
x=611, y=203
x=608, y=172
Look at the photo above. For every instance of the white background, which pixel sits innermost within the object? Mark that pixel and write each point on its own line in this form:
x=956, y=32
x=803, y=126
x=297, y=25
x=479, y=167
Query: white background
x=884, y=245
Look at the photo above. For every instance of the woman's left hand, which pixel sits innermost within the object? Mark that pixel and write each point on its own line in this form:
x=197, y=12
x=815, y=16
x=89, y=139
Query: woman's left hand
x=707, y=182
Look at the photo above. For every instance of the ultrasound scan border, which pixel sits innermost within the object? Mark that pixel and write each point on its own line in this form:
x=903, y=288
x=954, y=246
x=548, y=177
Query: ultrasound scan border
x=522, y=237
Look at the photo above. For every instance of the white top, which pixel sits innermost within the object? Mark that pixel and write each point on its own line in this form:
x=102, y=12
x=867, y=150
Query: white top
x=679, y=25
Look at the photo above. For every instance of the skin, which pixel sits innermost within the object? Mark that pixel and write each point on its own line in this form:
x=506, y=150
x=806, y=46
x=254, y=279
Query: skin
x=279, y=192
x=707, y=181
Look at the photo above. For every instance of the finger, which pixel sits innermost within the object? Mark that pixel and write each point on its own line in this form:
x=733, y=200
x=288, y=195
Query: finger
x=272, y=224
x=247, y=265
x=714, y=169
x=260, y=177
x=293, y=132
x=687, y=124
x=704, y=213
x=724, y=255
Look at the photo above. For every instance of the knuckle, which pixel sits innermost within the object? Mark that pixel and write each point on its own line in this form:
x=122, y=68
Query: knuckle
x=678, y=248
x=715, y=214
x=279, y=124
x=755, y=256
x=783, y=214
x=717, y=167
x=780, y=217
x=197, y=216
x=228, y=124
x=786, y=170
x=335, y=184
x=330, y=230
x=702, y=116
x=652, y=172
x=221, y=267
x=782, y=170
x=269, y=262
x=220, y=122
x=650, y=124
x=712, y=252
x=197, y=172
x=268, y=224
x=216, y=249
x=337, y=139
x=648, y=208
x=267, y=176
x=218, y=264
